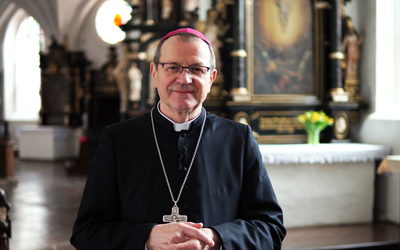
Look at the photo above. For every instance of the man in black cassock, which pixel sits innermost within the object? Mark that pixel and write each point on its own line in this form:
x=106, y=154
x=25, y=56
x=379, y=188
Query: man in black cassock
x=179, y=177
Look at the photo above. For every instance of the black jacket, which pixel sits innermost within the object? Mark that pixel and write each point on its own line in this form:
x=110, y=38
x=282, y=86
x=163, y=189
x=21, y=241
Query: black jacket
x=228, y=188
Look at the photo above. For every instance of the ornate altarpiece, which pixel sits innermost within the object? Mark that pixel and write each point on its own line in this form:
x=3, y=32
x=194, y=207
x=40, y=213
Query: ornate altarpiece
x=277, y=59
x=64, y=82
x=274, y=62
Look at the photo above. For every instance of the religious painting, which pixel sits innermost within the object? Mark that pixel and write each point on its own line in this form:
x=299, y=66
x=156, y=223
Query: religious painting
x=282, y=51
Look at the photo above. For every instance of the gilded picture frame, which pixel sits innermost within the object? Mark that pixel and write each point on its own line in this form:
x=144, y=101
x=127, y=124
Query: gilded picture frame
x=284, y=45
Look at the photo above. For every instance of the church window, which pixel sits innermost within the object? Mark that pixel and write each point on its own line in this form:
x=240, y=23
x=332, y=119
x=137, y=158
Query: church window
x=110, y=14
x=23, y=41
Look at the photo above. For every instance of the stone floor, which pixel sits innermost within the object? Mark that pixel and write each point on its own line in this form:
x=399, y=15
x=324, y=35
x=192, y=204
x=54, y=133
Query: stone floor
x=45, y=200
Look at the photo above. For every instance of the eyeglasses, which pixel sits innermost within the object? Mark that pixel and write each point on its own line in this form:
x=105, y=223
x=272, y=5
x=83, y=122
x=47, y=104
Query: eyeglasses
x=175, y=69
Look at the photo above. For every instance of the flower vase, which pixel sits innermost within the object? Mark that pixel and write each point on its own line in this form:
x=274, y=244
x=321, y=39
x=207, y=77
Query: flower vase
x=313, y=137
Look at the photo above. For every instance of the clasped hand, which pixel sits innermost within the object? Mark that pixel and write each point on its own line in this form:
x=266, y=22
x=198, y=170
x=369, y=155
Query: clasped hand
x=188, y=236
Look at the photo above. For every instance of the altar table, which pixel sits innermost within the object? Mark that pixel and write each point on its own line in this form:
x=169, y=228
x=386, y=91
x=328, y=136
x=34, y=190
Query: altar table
x=327, y=184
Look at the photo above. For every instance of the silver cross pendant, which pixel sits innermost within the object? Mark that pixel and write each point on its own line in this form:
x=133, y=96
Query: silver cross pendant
x=175, y=216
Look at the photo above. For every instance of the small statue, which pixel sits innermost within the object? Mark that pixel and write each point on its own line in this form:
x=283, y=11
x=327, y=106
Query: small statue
x=135, y=76
x=213, y=30
x=167, y=7
x=191, y=5
x=191, y=12
x=351, y=50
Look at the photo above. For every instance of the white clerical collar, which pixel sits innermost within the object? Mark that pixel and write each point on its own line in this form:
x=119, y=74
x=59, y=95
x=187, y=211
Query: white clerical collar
x=178, y=127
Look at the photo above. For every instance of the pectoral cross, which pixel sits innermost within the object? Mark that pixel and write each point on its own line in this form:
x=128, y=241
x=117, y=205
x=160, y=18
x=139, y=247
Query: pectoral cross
x=175, y=216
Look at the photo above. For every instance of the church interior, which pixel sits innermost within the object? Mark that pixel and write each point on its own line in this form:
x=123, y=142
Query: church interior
x=316, y=80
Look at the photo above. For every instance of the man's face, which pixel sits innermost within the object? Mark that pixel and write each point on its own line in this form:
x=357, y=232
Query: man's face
x=182, y=93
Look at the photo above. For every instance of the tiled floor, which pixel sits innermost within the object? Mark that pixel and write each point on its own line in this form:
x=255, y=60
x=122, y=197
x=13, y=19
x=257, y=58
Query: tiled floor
x=45, y=200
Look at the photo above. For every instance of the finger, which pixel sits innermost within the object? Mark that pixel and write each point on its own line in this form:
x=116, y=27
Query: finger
x=192, y=232
x=192, y=244
x=195, y=225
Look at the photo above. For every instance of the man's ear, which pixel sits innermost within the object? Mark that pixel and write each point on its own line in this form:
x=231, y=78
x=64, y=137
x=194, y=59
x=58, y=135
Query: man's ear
x=213, y=75
x=153, y=71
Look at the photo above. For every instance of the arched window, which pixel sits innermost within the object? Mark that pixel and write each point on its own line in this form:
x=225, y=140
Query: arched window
x=22, y=45
x=108, y=31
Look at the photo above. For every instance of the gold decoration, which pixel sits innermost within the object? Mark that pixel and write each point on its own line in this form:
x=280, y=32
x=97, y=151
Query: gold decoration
x=240, y=94
x=339, y=95
x=239, y=91
x=242, y=117
x=352, y=87
x=341, y=126
x=239, y=53
x=280, y=124
x=149, y=22
x=336, y=55
x=142, y=56
x=354, y=116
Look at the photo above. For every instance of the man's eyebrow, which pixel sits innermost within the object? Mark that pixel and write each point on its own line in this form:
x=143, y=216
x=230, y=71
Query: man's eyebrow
x=194, y=64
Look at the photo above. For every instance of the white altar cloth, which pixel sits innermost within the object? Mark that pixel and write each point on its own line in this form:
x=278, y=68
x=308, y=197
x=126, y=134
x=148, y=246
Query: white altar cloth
x=323, y=153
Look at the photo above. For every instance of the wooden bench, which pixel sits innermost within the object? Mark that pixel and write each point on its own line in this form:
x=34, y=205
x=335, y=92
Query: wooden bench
x=376, y=236
x=5, y=221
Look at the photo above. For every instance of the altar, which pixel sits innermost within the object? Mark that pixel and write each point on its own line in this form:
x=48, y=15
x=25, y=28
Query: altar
x=47, y=142
x=328, y=184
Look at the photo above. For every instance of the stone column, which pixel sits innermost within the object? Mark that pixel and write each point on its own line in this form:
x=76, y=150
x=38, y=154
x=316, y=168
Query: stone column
x=239, y=90
x=142, y=65
x=336, y=55
x=149, y=12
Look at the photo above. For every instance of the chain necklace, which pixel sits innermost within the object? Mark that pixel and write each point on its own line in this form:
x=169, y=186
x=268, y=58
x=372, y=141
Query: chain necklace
x=175, y=216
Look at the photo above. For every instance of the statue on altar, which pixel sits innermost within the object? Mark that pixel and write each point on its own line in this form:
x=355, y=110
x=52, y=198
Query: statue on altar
x=351, y=50
x=214, y=29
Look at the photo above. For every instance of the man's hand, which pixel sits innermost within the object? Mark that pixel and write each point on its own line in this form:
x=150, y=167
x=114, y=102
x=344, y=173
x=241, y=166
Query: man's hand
x=175, y=236
x=214, y=236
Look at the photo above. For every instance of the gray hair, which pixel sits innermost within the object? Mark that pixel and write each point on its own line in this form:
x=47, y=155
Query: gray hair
x=185, y=37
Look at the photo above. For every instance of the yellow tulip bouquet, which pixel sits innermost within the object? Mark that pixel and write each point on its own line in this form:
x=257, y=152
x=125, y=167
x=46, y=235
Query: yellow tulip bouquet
x=314, y=122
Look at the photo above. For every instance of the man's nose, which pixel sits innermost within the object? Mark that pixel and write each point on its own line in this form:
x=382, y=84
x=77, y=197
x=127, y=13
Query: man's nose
x=185, y=77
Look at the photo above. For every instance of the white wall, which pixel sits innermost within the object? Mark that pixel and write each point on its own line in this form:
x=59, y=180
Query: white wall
x=374, y=128
x=82, y=33
x=370, y=129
